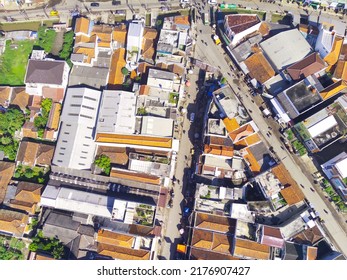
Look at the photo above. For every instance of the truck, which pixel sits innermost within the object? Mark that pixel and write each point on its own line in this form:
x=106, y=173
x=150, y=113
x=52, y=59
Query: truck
x=206, y=19
x=216, y=39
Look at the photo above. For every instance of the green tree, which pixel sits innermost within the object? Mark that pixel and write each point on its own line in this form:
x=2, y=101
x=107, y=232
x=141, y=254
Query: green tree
x=33, y=247
x=29, y=173
x=40, y=122
x=67, y=45
x=6, y=140
x=125, y=71
x=46, y=105
x=58, y=251
x=103, y=162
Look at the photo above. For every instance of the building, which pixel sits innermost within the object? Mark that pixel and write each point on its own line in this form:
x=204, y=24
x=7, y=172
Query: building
x=271, y=236
x=95, y=77
x=285, y=48
x=13, y=223
x=117, y=112
x=45, y=73
x=24, y=196
x=259, y=68
x=238, y=26
x=32, y=154
x=336, y=171
x=6, y=173
x=251, y=250
x=134, y=44
x=155, y=126
x=324, y=127
x=75, y=146
x=306, y=67
x=160, y=79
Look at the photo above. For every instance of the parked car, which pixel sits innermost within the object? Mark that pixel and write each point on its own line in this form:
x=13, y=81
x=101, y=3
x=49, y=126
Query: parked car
x=114, y=3
x=192, y=117
x=94, y=4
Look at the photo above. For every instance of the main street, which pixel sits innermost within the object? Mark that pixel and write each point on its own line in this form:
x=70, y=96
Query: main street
x=214, y=55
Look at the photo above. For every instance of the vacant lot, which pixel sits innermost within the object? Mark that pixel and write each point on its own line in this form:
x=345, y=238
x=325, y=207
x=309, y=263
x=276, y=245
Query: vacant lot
x=26, y=25
x=14, y=61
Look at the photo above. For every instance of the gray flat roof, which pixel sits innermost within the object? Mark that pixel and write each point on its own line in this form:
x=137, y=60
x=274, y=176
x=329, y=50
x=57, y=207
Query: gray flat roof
x=286, y=48
x=95, y=77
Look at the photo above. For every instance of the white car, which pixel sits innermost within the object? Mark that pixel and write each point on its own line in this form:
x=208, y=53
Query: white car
x=212, y=2
x=184, y=1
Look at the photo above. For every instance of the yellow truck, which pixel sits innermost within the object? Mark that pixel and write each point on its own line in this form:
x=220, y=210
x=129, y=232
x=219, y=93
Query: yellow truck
x=53, y=13
x=216, y=39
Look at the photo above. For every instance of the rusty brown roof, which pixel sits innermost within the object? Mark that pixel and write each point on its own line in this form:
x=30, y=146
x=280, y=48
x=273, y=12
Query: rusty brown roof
x=259, y=68
x=238, y=23
x=306, y=67
x=6, y=172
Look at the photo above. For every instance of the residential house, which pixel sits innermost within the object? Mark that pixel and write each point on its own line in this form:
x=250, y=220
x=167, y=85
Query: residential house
x=45, y=73
x=212, y=237
x=20, y=98
x=122, y=246
x=51, y=130
x=248, y=249
x=6, y=173
x=72, y=231
x=119, y=36
x=259, y=68
x=116, y=77
x=5, y=96
x=306, y=67
x=13, y=223
x=94, y=77
x=24, y=196
x=134, y=43
x=336, y=171
x=148, y=50
x=238, y=26
x=104, y=35
x=324, y=127
x=271, y=236
x=310, y=236
x=76, y=147
x=32, y=154
x=293, y=251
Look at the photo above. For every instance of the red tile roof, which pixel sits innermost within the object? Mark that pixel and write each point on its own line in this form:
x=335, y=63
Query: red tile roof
x=239, y=23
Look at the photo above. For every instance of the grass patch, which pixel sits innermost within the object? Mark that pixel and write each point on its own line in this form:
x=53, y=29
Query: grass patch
x=26, y=25
x=299, y=147
x=173, y=98
x=275, y=18
x=14, y=62
x=35, y=175
x=261, y=14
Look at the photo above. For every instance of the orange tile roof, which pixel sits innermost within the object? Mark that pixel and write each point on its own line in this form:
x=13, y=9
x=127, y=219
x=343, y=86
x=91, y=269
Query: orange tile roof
x=252, y=139
x=292, y=194
x=82, y=25
x=120, y=34
x=333, y=56
x=88, y=52
x=82, y=39
x=283, y=175
x=135, y=176
x=122, y=253
x=113, y=238
x=27, y=153
x=333, y=89
x=54, y=116
x=13, y=222
x=117, y=63
x=231, y=124
x=214, y=222
x=259, y=68
x=20, y=98
x=218, y=150
x=184, y=20
x=200, y=254
x=253, y=163
x=251, y=249
x=144, y=90
x=104, y=34
x=6, y=172
x=241, y=132
x=264, y=28
x=150, y=33
x=134, y=140
x=341, y=70
x=4, y=95
x=312, y=253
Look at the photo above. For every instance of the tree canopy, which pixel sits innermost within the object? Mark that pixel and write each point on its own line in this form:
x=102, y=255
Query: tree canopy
x=103, y=162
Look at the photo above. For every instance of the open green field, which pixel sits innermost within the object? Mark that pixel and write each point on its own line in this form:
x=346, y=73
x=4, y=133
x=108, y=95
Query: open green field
x=14, y=61
x=26, y=25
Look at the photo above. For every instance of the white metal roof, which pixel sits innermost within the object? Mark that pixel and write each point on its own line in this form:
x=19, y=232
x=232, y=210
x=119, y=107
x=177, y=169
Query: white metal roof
x=341, y=167
x=322, y=126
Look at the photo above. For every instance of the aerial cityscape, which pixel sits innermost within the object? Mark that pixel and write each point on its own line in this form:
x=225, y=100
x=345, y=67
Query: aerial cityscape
x=173, y=130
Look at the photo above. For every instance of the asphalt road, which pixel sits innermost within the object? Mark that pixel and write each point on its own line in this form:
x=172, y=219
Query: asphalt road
x=209, y=52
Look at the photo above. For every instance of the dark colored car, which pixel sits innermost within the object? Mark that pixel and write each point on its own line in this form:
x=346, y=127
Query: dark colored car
x=114, y=3
x=94, y=4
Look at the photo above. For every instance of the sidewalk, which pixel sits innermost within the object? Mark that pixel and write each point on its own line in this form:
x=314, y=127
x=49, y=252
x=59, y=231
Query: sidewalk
x=12, y=6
